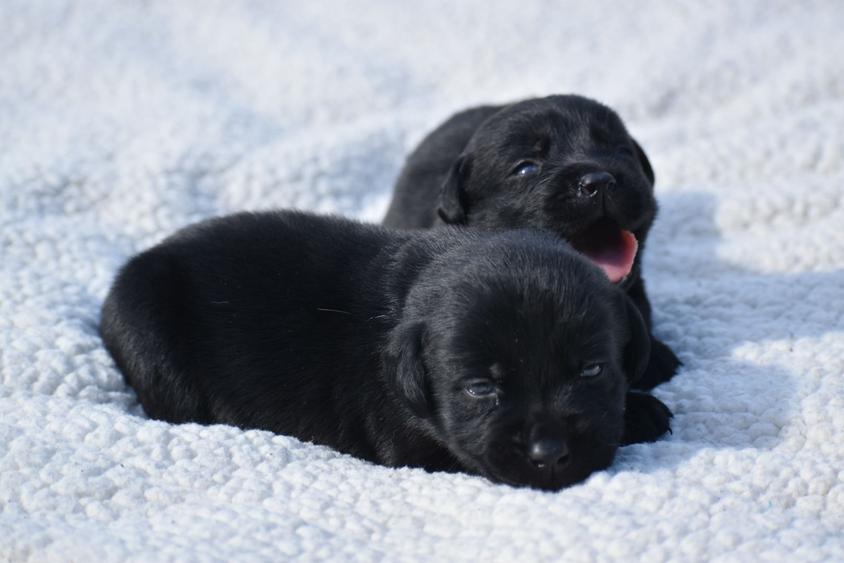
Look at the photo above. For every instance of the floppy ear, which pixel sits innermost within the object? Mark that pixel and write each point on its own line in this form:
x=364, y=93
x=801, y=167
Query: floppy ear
x=451, y=205
x=405, y=370
x=637, y=350
x=643, y=160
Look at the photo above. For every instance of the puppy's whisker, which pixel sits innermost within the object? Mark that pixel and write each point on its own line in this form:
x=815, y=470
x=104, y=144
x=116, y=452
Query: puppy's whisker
x=544, y=182
x=376, y=317
x=327, y=310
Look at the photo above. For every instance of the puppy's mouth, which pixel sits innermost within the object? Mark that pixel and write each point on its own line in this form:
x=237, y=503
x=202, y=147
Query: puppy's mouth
x=608, y=246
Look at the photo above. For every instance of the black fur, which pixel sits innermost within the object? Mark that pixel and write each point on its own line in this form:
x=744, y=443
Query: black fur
x=367, y=340
x=465, y=173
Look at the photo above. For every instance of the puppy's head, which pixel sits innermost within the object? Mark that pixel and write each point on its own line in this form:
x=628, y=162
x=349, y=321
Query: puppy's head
x=514, y=353
x=562, y=163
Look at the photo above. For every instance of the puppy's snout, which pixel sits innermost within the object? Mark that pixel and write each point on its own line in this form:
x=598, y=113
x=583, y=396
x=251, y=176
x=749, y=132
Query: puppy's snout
x=548, y=452
x=593, y=182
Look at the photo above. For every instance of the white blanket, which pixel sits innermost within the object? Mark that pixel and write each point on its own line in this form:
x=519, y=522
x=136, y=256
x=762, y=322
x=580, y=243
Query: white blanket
x=121, y=122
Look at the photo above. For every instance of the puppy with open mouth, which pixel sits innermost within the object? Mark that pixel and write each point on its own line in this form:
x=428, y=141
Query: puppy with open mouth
x=565, y=164
x=506, y=355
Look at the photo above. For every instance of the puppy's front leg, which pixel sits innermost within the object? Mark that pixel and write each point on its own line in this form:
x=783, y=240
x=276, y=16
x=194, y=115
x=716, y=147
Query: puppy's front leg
x=662, y=366
x=646, y=418
x=663, y=363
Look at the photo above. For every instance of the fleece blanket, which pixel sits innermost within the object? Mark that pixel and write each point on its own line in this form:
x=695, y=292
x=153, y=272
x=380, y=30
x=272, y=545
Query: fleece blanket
x=123, y=121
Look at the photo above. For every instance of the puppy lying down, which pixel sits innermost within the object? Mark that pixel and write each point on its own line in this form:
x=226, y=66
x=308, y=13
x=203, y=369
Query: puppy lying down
x=565, y=164
x=507, y=355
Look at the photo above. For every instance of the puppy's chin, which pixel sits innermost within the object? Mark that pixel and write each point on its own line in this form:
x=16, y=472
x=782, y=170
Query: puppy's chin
x=524, y=474
x=506, y=463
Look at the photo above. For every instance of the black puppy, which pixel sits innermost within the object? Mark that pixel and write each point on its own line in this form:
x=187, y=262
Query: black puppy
x=561, y=163
x=501, y=355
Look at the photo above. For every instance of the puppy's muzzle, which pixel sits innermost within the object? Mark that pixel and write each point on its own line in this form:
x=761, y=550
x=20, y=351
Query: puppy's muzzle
x=593, y=183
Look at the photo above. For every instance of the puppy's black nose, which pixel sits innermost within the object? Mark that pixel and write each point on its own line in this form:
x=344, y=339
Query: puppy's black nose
x=590, y=184
x=547, y=452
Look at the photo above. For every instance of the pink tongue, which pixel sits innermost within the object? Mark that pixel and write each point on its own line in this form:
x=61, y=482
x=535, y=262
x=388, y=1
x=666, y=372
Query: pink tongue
x=616, y=260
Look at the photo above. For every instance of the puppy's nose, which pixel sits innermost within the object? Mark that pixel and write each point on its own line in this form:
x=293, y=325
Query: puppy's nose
x=594, y=182
x=548, y=452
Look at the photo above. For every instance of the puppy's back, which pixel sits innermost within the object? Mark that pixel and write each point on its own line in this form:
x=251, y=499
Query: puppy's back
x=210, y=292
x=423, y=174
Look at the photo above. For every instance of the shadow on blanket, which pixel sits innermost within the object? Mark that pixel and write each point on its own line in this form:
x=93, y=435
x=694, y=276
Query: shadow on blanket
x=717, y=316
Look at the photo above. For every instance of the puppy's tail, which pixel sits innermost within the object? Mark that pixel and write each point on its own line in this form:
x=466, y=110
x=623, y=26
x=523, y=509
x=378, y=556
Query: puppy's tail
x=142, y=326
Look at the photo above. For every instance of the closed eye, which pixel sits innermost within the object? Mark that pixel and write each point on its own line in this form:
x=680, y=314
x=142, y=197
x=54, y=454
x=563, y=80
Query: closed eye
x=525, y=168
x=591, y=370
x=481, y=389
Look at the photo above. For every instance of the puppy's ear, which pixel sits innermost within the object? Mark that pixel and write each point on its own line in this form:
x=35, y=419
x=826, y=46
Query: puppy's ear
x=452, y=208
x=637, y=350
x=403, y=361
x=643, y=159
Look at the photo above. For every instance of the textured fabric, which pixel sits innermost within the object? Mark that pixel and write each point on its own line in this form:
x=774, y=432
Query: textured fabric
x=120, y=122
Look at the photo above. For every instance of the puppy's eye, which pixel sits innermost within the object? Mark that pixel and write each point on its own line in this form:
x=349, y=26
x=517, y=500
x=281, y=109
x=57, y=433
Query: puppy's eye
x=624, y=151
x=481, y=389
x=591, y=370
x=525, y=168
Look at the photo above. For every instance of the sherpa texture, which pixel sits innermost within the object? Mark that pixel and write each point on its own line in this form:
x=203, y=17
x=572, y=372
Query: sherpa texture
x=121, y=122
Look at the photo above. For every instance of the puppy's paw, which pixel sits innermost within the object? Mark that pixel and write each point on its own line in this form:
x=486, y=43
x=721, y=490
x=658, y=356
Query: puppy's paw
x=662, y=366
x=646, y=418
